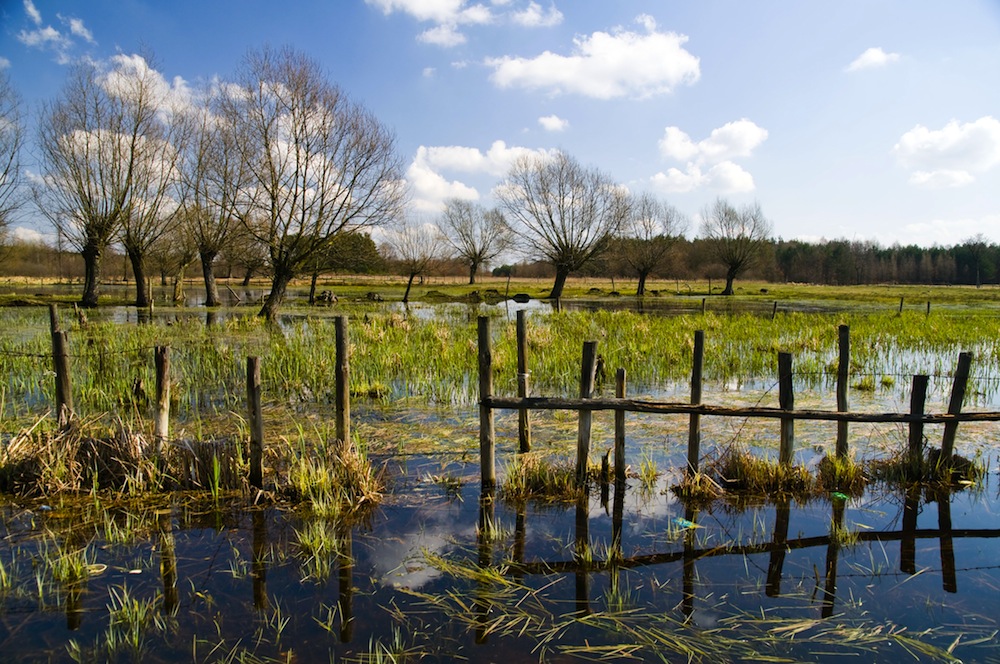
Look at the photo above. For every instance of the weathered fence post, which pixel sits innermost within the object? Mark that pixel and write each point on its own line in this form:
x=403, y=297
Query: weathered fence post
x=703, y=306
x=955, y=406
x=256, y=420
x=523, y=389
x=786, y=400
x=60, y=361
x=487, y=429
x=916, y=442
x=161, y=426
x=900, y=305
x=588, y=376
x=694, y=430
x=774, y=310
x=843, y=368
x=620, y=429
x=342, y=392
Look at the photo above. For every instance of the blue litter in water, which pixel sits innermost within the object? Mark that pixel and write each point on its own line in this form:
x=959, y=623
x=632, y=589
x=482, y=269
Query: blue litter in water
x=684, y=523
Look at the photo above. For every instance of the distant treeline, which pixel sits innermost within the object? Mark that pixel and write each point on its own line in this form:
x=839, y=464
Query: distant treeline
x=833, y=262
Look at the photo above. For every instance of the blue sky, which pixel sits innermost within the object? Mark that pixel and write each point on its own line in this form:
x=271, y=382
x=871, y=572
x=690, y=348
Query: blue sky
x=866, y=120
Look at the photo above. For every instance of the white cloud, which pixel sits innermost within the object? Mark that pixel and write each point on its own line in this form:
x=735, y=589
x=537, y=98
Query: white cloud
x=43, y=37
x=533, y=16
x=725, y=178
x=734, y=139
x=606, y=65
x=124, y=70
x=429, y=72
x=553, y=123
x=430, y=188
x=25, y=234
x=4, y=63
x=446, y=35
x=709, y=162
x=32, y=12
x=77, y=27
x=872, y=58
x=436, y=11
x=950, y=156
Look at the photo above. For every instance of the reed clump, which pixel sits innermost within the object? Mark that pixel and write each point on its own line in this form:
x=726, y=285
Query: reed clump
x=933, y=468
x=738, y=470
x=532, y=477
x=842, y=474
x=336, y=480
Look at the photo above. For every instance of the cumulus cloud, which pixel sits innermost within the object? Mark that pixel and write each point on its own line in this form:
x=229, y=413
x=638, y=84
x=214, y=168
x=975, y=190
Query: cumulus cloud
x=946, y=232
x=872, y=58
x=952, y=155
x=533, y=16
x=33, y=14
x=726, y=178
x=431, y=188
x=77, y=28
x=553, y=123
x=442, y=35
x=606, y=65
x=124, y=70
x=4, y=63
x=709, y=162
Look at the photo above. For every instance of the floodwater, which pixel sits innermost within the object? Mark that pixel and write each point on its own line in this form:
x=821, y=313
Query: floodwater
x=441, y=572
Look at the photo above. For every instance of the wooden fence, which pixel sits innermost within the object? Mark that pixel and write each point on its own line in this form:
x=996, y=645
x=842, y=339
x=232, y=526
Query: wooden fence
x=786, y=412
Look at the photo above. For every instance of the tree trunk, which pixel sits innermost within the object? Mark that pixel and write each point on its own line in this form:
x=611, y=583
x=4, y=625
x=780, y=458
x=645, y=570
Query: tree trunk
x=640, y=290
x=730, y=277
x=406, y=295
x=179, y=286
x=139, y=272
x=208, y=274
x=279, y=284
x=247, y=277
x=312, y=288
x=92, y=274
x=473, y=269
x=557, y=287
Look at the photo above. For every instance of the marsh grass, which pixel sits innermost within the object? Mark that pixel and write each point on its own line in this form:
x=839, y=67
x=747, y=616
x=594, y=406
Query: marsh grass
x=842, y=474
x=738, y=470
x=336, y=480
x=934, y=469
x=534, y=477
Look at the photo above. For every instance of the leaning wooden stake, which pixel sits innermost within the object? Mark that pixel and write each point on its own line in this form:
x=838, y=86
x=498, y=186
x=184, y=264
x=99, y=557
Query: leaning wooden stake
x=343, y=391
x=523, y=388
x=161, y=427
x=620, y=429
x=786, y=400
x=843, y=367
x=487, y=429
x=588, y=376
x=694, y=432
x=955, y=405
x=916, y=442
x=256, y=419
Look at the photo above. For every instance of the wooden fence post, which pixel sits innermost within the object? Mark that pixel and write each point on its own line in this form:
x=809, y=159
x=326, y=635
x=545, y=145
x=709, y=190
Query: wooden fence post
x=843, y=368
x=620, y=429
x=60, y=361
x=786, y=400
x=694, y=430
x=916, y=443
x=955, y=406
x=161, y=426
x=523, y=389
x=342, y=392
x=256, y=419
x=487, y=428
x=588, y=376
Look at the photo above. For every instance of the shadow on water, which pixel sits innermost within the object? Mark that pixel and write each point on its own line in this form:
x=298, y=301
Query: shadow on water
x=440, y=574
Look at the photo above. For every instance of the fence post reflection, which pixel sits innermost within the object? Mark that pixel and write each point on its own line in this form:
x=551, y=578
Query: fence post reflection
x=782, y=512
x=949, y=578
x=832, y=554
x=259, y=563
x=908, y=542
x=484, y=540
x=345, y=580
x=687, y=597
x=582, y=553
x=168, y=561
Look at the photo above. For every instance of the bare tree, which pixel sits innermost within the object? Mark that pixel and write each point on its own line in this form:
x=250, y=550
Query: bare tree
x=11, y=141
x=565, y=213
x=652, y=230
x=735, y=235
x=213, y=177
x=476, y=235
x=107, y=164
x=318, y=163
x=416, y=247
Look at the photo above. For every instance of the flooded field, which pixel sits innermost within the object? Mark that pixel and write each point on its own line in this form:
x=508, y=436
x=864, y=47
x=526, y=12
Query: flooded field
x=440, y=570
